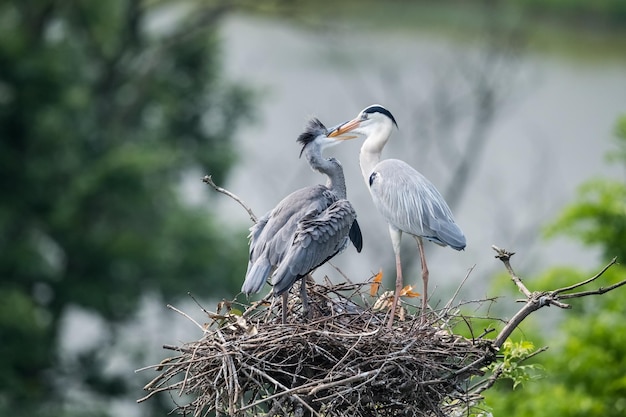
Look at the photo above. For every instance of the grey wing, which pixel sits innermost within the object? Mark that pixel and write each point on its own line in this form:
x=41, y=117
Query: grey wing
x=271, y=237
x=411, y=203
x=255, y=232
x=259, y=267
x=319, y=237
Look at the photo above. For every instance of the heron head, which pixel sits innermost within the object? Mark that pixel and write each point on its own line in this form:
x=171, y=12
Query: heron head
x=316, y=134
x=369, y=120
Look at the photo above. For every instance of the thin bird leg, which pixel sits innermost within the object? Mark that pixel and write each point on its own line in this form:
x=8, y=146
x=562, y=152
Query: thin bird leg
x=420, y=247
x=396, y=236
x=304, y=297
x=284, y=309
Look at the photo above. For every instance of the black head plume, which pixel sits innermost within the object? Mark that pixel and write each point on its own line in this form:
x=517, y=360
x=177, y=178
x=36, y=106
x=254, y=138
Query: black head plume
x=313, y=129
x=377, y=108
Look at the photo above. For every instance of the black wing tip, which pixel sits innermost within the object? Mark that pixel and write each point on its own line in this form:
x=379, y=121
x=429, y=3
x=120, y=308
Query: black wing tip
x=377, y=108
x=313, y=129
x=355, y=236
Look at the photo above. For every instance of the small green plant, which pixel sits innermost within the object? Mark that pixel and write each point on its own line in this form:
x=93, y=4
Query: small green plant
x=511, y=365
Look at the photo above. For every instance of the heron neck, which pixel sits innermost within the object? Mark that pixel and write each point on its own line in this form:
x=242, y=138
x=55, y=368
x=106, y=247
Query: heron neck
x=370, y=153
x=335, y=180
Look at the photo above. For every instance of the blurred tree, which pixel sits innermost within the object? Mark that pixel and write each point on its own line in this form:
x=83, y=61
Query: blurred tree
x=104, y=108
x=586, y=363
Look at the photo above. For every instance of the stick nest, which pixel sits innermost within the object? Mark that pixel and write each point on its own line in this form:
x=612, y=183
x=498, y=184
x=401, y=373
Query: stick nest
x=341, y=361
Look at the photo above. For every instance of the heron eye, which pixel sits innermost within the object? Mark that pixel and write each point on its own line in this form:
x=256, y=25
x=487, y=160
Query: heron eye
x=364, y=116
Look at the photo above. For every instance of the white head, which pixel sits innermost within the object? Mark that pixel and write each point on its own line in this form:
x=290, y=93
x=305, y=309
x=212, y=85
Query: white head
x=374, y=122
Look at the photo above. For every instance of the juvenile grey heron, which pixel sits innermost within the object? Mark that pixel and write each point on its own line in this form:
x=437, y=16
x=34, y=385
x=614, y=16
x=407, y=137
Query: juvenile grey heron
x=307, y=228
x=407, y=200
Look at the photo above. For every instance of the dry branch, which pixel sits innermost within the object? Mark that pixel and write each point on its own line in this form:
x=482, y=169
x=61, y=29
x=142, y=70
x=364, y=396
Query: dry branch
x=209, y=180
x=538, y=299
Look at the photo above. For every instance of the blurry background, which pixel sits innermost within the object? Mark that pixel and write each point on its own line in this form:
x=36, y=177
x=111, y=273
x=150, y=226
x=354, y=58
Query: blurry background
x=111, y=112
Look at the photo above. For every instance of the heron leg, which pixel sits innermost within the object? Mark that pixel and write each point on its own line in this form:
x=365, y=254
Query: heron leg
x=304, y=297
x=396, y=236
x=420, y=247
x=284, y=309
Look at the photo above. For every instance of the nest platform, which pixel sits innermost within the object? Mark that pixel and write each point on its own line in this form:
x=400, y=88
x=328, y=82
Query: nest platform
x=341, y=360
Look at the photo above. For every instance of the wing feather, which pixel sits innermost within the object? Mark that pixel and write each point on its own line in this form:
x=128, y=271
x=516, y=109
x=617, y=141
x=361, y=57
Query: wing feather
x=319, y=237
x=307, y=218
x=411, y=203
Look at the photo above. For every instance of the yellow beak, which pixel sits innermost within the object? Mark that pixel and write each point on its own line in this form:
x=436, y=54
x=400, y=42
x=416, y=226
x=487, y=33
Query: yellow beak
x=340, y=132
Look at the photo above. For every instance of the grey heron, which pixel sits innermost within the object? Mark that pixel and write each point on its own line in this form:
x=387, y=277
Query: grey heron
x=406, y=199
x=305, y=229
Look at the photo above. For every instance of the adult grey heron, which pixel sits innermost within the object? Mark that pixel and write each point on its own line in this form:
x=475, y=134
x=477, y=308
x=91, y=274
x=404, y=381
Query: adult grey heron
x=407, y=200
x=307, y=228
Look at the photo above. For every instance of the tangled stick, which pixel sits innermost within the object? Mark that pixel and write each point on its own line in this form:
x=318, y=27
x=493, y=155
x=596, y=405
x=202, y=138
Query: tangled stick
x=342, y=362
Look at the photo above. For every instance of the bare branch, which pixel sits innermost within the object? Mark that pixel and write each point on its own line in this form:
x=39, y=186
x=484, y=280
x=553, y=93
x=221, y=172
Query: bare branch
x=599, y=291
x=505, y=257
x=209, y=180
x=458, y=289
x=537, y=300
x=587, y=281
x=182, y=313
x=488, y=383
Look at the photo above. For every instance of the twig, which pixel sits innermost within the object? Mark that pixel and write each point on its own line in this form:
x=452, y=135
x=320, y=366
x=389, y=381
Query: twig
x=587, y=281
x=182, y=313
x=535, y=353
x=458, y=289
x=505, y=257
x=484, y=385
x=186, y=378
x=344, y=381
x=599, y=291
x=487, y=383
x=485, y=333
x=348, y=280
x=209, y=180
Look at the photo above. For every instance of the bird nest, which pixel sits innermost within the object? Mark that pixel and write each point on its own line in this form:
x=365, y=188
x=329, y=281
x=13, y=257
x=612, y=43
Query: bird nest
x=340, y=361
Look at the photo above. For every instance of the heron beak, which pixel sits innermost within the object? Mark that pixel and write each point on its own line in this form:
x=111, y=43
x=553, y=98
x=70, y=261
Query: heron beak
x=340, y=131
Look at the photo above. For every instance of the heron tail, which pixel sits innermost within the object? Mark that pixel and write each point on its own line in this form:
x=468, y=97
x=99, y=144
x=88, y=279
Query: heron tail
x=283, y=280
x=452, y=236
x=256, y=276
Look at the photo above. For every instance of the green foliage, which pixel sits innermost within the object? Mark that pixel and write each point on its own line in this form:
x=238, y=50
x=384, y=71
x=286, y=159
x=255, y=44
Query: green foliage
x=511, y=365
x=586, y=363
x=608, y=11
x=100, y=120
x=598, y=219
